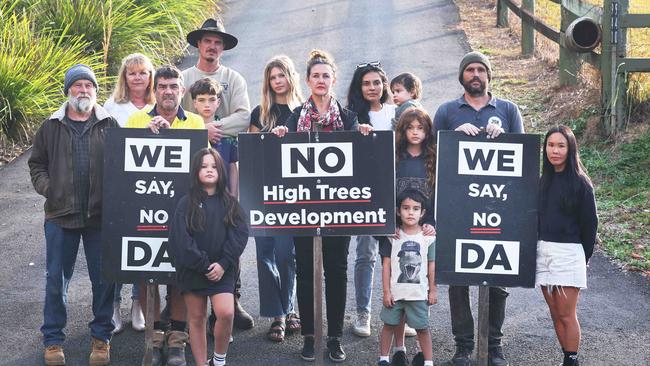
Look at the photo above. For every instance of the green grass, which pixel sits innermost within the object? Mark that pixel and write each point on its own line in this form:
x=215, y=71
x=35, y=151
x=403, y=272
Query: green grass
x=621, y=175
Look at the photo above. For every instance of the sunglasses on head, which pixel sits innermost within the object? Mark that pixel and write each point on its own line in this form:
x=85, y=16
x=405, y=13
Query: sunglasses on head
x=373, y=64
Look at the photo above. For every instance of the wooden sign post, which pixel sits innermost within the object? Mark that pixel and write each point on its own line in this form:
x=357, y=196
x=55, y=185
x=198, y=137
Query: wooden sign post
x=483, y=324
x=318, y=298
x=148, y=333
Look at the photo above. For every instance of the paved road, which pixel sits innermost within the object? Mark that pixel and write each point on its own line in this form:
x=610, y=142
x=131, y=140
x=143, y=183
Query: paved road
x=406, y=36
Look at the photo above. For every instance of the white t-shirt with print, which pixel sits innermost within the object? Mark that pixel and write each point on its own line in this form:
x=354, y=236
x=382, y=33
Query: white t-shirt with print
x=410, y=256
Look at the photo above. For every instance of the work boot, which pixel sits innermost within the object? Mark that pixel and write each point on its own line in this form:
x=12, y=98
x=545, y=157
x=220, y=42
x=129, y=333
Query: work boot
x=54, y=355
x=100, y=354
x=137, y=317
x=462, y=356
x=361, y=326
x=158, y=341
x=496, y=358
x=176, y=348
x=242, y=320
x=117, y=318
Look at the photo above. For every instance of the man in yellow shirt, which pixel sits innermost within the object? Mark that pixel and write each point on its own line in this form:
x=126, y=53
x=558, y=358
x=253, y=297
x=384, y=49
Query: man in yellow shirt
x=167, y=113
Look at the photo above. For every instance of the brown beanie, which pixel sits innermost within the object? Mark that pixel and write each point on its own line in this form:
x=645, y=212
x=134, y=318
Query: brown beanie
x=472, y=57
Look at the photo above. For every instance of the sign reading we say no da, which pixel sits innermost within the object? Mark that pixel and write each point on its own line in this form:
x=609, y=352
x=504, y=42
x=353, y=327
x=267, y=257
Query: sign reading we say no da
x=486, y=209
x=144, y=176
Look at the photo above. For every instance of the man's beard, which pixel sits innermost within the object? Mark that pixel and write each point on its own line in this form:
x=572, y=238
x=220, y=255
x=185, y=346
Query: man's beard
x=474, y=91
x=83, y=103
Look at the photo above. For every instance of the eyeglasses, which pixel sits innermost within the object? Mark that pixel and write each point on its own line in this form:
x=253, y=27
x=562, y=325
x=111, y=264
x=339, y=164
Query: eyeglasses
x=366, y=64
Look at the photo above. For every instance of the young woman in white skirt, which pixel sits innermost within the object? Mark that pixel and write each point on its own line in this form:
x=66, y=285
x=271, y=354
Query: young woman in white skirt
x=567, y=235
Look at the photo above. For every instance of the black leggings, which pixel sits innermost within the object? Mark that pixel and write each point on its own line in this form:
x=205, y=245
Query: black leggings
x=335, y=262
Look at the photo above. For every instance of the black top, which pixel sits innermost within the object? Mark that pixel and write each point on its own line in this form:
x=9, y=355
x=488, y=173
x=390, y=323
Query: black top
x=576, y=225
x=193, y=254
x=281, y=110
x=411, y=172
x=348, y=118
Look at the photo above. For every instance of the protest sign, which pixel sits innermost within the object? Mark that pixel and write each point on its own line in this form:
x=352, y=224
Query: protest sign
x=486, y=209
x=326, y=184
x=144, y=176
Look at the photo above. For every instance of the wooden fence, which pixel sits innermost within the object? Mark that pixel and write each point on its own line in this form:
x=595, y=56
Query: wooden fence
x=582, y=27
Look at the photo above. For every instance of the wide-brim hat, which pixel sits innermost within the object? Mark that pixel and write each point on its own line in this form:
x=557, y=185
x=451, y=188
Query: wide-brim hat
x=212, y=26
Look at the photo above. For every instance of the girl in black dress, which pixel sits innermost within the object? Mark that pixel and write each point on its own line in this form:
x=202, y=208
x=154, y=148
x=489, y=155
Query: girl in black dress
x=567, y=235
x=207, y=235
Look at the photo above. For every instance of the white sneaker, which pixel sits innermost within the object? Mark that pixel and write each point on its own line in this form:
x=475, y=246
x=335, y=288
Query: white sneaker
x=409, y=332
x=361, y=327
x=117, y=318
x=137, y=317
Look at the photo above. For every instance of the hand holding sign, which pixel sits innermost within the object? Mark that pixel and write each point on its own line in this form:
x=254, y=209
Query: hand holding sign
x=157, y=123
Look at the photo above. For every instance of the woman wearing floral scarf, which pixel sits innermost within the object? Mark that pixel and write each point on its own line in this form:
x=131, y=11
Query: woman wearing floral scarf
x=321, y=112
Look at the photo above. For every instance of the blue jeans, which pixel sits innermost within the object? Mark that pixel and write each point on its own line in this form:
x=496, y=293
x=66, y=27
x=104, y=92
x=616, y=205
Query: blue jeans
x=61, y=255
x=276, y=271
x=462, y=323
x=135, y=291
x=364, y=270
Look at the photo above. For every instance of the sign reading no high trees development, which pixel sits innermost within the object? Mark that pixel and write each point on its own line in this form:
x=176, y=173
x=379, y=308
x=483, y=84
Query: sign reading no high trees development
x=144, y=176
x=310, y=184
x=486, y=209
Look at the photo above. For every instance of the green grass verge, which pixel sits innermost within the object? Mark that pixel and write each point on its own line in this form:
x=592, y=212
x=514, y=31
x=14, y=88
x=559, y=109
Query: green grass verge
x=621, y=175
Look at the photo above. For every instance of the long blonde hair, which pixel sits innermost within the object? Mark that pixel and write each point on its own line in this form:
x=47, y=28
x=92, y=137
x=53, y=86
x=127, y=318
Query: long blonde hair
x=268, y=119
x=121, y=92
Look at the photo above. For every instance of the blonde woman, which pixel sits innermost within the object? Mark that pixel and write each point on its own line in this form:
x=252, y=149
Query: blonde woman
x=276, y=264
x=134, y=88
x=133, y=92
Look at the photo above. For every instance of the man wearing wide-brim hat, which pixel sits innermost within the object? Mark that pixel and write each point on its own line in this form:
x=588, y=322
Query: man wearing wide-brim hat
x=233, y=112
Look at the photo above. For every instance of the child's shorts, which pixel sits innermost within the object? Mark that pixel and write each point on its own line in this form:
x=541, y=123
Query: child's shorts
x=561, y=264
x=417, y=313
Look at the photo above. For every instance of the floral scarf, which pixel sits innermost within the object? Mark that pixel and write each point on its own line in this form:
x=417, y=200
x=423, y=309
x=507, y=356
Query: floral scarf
x=309, y=116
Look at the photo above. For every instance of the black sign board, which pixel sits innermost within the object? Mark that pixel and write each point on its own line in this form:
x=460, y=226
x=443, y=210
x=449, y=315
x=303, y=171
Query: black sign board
x=486, y=209
x=144, y=176
x=311, y=184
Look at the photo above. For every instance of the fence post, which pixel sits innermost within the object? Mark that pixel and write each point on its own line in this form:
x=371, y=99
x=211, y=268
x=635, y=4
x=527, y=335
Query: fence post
x=527, y=30
x=621, y=75
x=607, y=68
x=569, y=60
x=502, y=14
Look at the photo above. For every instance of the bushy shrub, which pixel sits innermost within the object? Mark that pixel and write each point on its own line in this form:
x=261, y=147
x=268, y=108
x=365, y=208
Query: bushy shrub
x=32, y=65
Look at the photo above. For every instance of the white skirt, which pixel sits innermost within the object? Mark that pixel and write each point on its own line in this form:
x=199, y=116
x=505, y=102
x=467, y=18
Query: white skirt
x=561, y=264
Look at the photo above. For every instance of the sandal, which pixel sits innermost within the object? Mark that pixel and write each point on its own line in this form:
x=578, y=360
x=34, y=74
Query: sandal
x=276, y=332
x=293, y=323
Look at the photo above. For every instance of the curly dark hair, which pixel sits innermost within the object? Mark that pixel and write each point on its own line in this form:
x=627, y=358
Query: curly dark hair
x=428, y=145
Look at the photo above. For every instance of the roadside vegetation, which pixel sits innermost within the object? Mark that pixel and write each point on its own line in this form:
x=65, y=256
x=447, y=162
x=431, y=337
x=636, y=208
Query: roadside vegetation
x=40, y=39
x=618, y=165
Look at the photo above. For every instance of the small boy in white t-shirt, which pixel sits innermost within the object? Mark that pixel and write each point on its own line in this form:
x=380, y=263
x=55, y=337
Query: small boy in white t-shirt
x=408, y=277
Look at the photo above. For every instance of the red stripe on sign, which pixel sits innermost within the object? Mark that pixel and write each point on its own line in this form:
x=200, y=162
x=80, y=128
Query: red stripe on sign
x=152, y=227
x=313, y=226
x=314, y=202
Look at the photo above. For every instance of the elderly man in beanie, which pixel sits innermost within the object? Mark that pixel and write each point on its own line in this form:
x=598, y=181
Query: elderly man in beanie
x=233, y=112
x=66, y=167
x=477, y=111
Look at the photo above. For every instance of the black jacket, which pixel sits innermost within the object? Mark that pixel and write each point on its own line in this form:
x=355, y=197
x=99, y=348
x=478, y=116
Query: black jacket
x=51, y=166
x=349, y=119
